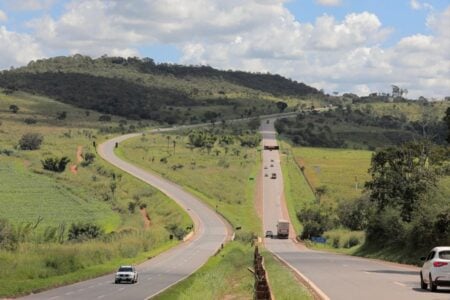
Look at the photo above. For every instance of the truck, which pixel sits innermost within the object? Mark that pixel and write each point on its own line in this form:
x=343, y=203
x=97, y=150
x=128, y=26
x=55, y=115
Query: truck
x=283, y=229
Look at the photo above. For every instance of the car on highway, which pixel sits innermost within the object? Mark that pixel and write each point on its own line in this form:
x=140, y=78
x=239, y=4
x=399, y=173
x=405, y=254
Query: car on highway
x=265, y=168
x=436, y=269
x=271, y=165
x=126, y=274
x=269, y=234
x=274, y=176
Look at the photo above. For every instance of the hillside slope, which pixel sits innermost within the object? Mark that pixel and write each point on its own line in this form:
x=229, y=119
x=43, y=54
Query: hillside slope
x=140, y=89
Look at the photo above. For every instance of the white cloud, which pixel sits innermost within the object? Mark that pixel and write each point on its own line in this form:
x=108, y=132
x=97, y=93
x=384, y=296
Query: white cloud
x=329, y=2
x=415, y=4
x=17, y=49
x=258, y=35
x=3, y=16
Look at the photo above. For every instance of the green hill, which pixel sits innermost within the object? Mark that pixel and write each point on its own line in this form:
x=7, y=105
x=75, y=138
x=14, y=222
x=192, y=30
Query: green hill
x=141, y=89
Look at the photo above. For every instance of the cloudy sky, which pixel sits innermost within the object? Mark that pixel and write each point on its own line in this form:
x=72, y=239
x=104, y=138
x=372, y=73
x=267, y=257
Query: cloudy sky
x=356, y=46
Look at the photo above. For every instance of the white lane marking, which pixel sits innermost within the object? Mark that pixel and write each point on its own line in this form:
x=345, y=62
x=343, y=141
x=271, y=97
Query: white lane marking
x=80, y=290
x=150, y=278
x=400, y=284
x=91, y=286
x=55, y=297
x=368, y=272
x=101, y=296
x=121, y=289
x=69, y=293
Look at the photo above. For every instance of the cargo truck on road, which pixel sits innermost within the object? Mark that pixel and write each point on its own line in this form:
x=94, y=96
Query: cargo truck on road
x=282, y=229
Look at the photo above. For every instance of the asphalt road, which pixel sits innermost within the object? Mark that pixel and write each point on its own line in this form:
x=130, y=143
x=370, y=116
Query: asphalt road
x=339, y=277
x=159, y=273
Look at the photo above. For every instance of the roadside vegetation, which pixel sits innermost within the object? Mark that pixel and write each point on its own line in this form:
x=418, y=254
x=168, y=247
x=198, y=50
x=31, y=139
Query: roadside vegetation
x=380, y=203
x=218, y=164
x=65, y=213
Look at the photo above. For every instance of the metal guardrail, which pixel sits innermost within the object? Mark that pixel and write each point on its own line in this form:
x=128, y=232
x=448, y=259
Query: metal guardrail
x=261, y=288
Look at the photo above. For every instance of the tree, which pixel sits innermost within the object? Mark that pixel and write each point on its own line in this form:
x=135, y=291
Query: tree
x=55, y=164
x=61, y=115
x=281, y=105
x=31, y=141
x=401, y=176
x=84, y=231
x=14, y=108
x=447, y=122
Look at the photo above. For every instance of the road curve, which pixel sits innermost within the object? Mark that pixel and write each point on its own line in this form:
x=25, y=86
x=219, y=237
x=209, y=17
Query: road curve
x=168, y=268
x=335, y=276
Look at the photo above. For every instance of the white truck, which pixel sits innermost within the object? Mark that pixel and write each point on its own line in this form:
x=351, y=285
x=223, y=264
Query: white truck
x=282, y=229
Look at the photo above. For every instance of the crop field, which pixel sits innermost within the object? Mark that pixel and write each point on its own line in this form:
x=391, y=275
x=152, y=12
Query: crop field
x=226, y=181
x=25, y=196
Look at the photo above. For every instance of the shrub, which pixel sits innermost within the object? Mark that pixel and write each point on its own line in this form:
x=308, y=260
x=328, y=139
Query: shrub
x=14, y=108
x=84, y=231
x=31, y=141
x=341, y=238
x=8, y=240
x=61, y=115
x=316, y=219
x=88, y=158
x=30, y=121
x=178, y=232
x=55, y=164
x=104, y=118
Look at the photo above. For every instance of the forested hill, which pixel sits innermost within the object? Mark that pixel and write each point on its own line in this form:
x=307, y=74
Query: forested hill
x=141, y=88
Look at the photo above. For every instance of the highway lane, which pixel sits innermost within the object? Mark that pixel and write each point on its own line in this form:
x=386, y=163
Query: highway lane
x=336, y=276
x=166, y=269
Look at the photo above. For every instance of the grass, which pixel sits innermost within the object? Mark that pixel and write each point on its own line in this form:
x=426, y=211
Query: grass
x=27, y=195
x=224, y=276
x=30, y=273
x=97, y=193
x=296, y=189
x=282, y=280
x=342, y=171
x=225, y=181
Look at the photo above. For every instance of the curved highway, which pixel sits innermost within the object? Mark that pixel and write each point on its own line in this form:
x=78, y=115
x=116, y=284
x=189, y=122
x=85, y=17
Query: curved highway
x=333, y=276
x=163, y=271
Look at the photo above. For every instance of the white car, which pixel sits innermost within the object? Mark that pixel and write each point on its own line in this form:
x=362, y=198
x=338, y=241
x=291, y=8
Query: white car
x=436, y=269
x=126, y=274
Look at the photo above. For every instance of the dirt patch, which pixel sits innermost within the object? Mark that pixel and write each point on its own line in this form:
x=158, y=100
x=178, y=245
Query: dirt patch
x=79, y=154
x=74, y=169
x=26, y=163
x=145, y=217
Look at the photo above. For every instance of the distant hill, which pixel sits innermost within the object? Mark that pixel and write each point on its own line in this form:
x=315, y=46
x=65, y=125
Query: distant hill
x=141, y=89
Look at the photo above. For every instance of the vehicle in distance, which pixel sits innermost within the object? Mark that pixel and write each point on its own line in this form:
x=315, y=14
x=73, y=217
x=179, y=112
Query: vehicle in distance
x=274, y=176
x=282, y=229
x=436, y=269
x=269, y=234
x=126, y=274
x=271, y=165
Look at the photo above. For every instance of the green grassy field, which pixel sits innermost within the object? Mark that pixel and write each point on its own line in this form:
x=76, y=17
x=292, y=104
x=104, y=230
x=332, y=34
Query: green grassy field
x=97, y=193
x=225, y=181
x=342, y=171
x=296, y=189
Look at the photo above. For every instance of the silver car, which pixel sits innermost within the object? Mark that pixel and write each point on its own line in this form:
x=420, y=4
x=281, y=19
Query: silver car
x=126, y=274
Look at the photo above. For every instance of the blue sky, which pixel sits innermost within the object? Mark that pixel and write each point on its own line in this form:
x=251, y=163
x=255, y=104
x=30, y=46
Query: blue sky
x=342, y=45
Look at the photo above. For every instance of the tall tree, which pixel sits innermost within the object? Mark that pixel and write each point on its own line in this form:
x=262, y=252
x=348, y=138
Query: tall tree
x=447, y=122
x=401, y=176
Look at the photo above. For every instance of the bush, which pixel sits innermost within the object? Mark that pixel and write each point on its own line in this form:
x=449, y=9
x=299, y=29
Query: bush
x=8, y=240
x=31, y=141
x=88, y=158
x=30, y=121
x=341, y=238
x=84, y=231
x=55, y=164
x=104, y=118
x=176, y=231
x=316, y=219
x=354, y=214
